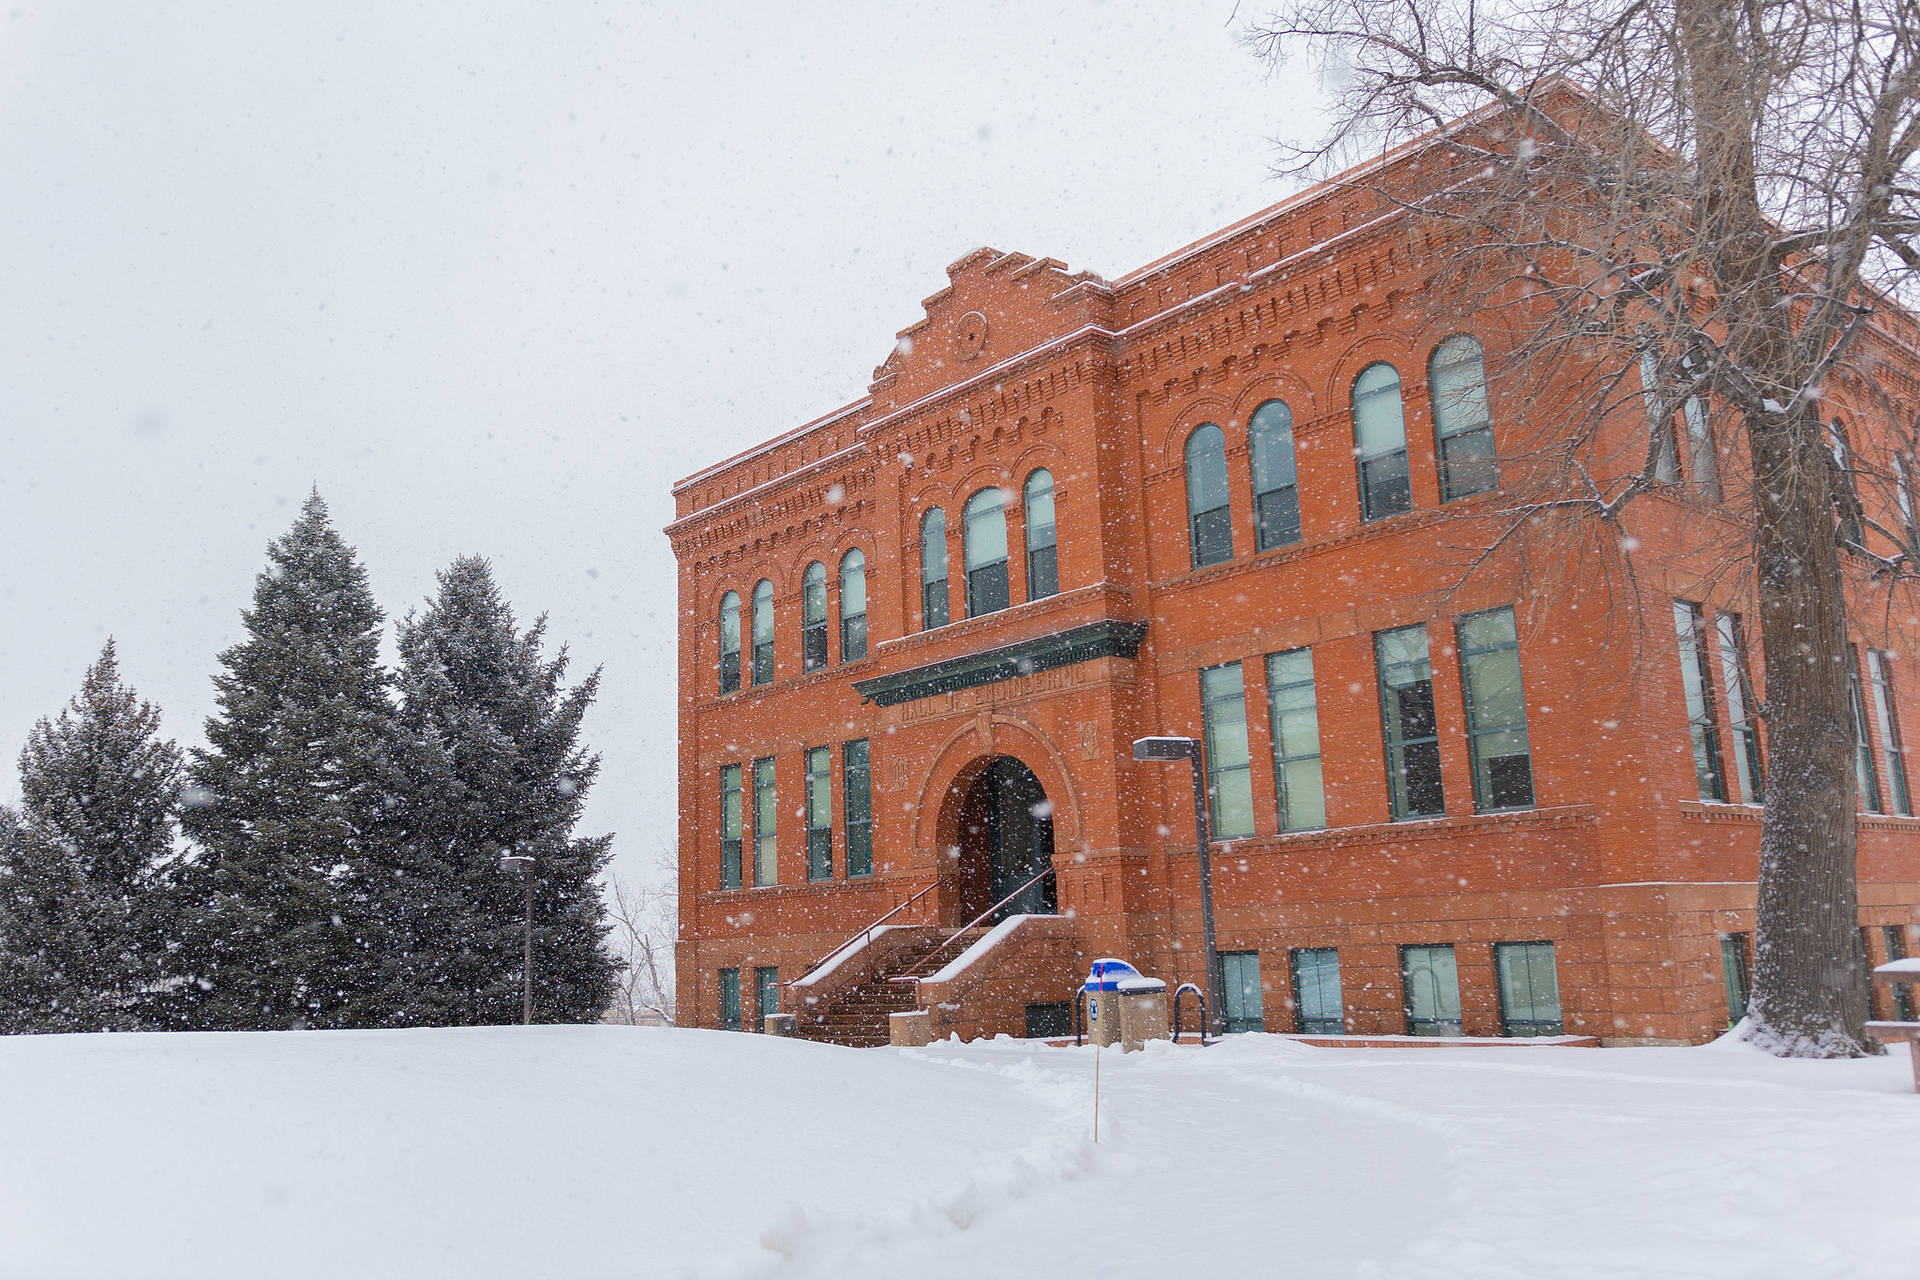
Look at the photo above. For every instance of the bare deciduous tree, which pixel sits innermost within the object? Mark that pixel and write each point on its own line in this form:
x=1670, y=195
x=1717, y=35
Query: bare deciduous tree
x=646, y=920
x=1703, y=209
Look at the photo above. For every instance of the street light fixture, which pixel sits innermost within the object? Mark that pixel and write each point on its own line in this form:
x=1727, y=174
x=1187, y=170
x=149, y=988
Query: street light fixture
x=1188, y=749
x=523, y=863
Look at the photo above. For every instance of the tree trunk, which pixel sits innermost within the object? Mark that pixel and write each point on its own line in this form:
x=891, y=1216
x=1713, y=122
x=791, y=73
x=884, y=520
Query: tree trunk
x=1808, y=993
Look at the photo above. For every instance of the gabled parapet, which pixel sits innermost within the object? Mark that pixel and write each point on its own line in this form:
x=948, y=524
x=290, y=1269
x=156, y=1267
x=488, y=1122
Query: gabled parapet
x=995, y=306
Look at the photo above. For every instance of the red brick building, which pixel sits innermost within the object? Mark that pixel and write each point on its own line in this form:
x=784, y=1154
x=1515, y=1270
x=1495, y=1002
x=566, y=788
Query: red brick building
x=1217, y=497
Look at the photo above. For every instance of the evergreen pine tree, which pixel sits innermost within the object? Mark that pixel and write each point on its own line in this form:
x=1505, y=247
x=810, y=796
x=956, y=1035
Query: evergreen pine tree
x=287, y=799
x=492, y=765
x=81, y=913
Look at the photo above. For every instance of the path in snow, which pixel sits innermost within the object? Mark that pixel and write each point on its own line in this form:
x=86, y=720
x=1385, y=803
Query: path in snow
x=615, y=1152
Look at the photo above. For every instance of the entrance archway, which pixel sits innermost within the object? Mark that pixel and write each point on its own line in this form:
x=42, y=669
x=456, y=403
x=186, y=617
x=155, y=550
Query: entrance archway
x=1005, y=839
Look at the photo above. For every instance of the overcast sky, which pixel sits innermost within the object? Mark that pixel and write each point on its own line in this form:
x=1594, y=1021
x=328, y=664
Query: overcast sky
x=493, y=276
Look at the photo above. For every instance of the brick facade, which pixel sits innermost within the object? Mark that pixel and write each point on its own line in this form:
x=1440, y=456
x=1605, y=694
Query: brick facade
x=1020, y=364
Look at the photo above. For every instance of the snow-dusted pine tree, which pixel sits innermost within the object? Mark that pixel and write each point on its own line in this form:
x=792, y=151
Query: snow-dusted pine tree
x=81, y=920
x=286, y=800
x=492, y=765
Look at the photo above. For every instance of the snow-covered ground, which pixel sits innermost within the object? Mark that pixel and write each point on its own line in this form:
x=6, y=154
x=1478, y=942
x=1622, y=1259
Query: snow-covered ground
x=623, y=1152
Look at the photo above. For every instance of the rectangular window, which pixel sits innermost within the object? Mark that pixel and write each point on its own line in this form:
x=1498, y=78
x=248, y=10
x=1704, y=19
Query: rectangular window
x=1865, y=949
x=813, y=646
x=1432, y=986
x=934, y=603
x=988, y=589
x=1890, y=744
x=1496, y=711
x=1700, y=448
x=1529, y=989
x=1865, y=774
x=856, y=781
x=766, y=818
x=1688, y=623
x=1294, y=714
x=1316, y=992
x=766, y=994
x=1240, y=991
x=1666, y=453
x=853, y=628
x=1733, y=974
x=730, y=827
x=1739, y=690
x=1049, y=1020
x=819, y=814
x=1406, y=712
x=1896, y=936
x=1229, y=775
x=729, y=999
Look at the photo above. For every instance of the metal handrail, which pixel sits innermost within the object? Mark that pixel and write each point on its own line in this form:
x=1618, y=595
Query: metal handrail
x=1179, y=991
x=867, y=932
x=924, y=960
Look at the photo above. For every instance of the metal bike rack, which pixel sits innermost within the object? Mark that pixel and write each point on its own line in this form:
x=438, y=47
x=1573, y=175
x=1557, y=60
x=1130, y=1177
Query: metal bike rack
x=1199, y=995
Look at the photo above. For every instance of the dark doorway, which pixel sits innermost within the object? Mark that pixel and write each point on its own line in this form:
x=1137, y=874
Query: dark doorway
x=1006, y=838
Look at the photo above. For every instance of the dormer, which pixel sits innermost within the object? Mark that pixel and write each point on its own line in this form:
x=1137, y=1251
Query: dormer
x=996, y=306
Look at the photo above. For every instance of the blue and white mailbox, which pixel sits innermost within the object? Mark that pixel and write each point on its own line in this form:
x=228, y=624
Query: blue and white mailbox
x=1124, y=1006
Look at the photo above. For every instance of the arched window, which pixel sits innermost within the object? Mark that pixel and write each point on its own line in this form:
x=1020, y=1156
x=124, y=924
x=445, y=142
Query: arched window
x=1276, y=484
x=730, y=642
x=763, y=632
x=813, y=618
x=986, y=552
x=1462, y=418
x=1380, y=443
x=933, y=570
x=1043, y=561
x=1209, y=516
x=853, y=606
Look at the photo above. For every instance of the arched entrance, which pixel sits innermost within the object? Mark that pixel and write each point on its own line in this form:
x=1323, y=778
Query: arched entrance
x=1005, y=839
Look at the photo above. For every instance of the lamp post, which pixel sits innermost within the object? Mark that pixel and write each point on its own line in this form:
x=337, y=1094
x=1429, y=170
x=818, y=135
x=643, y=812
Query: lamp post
x=511, y=862
x=1188, y=749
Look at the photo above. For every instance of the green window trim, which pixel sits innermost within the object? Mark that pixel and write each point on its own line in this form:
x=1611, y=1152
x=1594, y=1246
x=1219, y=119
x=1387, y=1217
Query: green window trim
x=1240, y=1003
x=1223, y=706
x=763, y=632
x=729, y=999
x=732, y=826
x=1318, y=1008
x=935, y=599
x=856, y=780
x=1430, y=983
x=853, y=606
x=1738, y=687
x=1529, y=989
x=766, y=994
x=1865, y=774
x=819, y=814
x=1209, y=505
x=1380, y=443
x=1410, y=729
x=1891, y=746
x=766, y=824
x=1294, y=715
x=1276, y=476
x=1702, y=729
x=730, y=642
x=984, y=550
x=813, y=618
x=1733, y=974
x=1462, y=418
x=1043, y=552
x=1498, y=747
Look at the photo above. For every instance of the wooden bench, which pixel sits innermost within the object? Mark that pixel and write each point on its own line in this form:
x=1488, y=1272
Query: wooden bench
x=1900, y=971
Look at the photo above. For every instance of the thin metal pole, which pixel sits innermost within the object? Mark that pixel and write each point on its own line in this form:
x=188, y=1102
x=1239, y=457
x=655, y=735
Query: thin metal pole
x=1216, y=1024
x=526, y=959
